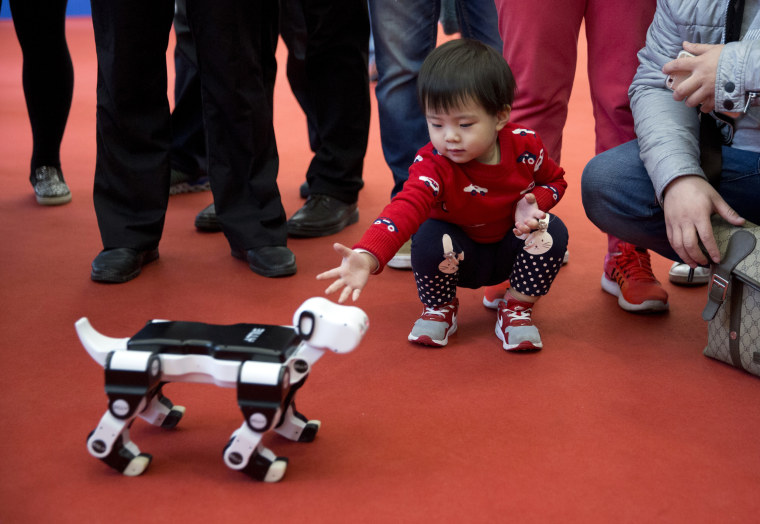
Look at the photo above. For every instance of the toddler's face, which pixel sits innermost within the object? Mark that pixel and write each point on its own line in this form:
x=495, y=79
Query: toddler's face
x=466, y=133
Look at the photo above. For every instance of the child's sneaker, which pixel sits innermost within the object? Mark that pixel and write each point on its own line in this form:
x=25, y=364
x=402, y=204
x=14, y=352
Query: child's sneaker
x=628, y=275
x=494, y=295
x=435, y=325
x=514, y=326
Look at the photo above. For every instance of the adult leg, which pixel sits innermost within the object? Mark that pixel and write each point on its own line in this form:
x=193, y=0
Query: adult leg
x=615, y=32
x=133, y=122
x=48, y=82
x=404, y=34
x=740, y=182
x=293, y=32
x=236, y=42
x=336, y=68
x=47, y=74
x=619, y=199
x=541, y=47
x=478, y=20
x=337, y=42
x=188, y=150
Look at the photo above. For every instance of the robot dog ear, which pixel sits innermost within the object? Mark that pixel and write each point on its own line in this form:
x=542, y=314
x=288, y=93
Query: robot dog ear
x=306, y=324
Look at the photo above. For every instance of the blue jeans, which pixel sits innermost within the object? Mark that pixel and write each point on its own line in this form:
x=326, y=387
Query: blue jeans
x=404, y=33
x=619, y=198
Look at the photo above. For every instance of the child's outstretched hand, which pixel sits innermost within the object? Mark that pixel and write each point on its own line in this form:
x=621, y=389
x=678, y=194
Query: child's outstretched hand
x=527, y=215
x=351, y=275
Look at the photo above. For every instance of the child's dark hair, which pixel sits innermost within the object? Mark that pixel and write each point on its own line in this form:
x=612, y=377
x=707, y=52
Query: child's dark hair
x=462, y=70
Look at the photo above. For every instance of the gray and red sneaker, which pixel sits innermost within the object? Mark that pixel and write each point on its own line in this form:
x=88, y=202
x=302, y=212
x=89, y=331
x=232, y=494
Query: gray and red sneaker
x=514, y=326
x=435, y=325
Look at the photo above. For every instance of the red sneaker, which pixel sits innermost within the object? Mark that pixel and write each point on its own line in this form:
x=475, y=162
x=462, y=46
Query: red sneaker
x=435, y=325
x=514, y=326
x=628, y=275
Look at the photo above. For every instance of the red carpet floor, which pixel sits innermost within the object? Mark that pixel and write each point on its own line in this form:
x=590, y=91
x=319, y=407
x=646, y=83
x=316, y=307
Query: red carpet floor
x=619, y=419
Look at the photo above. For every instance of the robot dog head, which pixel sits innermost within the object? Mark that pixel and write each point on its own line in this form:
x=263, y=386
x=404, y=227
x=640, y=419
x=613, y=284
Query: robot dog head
x=325, y=325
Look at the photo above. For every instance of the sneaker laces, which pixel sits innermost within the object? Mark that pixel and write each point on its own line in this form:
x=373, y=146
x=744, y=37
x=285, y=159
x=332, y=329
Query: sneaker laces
x=634, y=263
x=432, y=311
x=519, y=316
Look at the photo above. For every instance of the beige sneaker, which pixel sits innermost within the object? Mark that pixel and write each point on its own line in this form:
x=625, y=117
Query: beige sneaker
x=403, y=257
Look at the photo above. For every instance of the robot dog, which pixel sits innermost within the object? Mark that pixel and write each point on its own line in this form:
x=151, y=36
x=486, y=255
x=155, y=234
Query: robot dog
x=267, y=364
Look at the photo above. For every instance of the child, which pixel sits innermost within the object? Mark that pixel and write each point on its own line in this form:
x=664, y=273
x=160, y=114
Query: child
x=475, y=203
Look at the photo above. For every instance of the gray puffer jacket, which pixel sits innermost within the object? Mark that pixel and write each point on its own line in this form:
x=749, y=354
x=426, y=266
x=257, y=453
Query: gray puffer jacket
x=668, y=130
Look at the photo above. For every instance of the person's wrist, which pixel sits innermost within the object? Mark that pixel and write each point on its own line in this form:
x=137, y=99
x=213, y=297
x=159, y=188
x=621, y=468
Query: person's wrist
x=371, y=263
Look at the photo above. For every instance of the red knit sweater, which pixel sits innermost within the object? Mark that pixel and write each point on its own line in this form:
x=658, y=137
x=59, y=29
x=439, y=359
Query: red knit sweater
x=479, y=198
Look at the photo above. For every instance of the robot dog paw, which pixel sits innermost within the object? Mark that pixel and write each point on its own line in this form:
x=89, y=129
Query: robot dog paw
x=309, y=432
x=173, y=418
x=137, y=465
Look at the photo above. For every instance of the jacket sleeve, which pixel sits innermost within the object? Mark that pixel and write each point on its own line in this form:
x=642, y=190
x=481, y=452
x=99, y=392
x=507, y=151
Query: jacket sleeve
x=550, y=184
x=403, y=215
x=738, y=78
x=667, y=130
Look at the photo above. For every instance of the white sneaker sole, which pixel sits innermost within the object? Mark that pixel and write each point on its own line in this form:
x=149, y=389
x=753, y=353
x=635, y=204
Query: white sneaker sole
x=492, y=304
x=648, y=306
x=522, y=346
x=400, y=262
x=425, y=340
x=53, y=200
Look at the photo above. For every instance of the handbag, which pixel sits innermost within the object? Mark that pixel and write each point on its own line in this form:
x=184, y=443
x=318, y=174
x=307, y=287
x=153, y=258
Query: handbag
x=733, y=303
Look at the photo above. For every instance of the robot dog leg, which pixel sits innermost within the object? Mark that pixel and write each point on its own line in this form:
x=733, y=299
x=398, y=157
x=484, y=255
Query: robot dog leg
x=133, y=389
x=110, y=442
x=162, y=412
x=263, y=388
x=294, y=425
x=246, y=454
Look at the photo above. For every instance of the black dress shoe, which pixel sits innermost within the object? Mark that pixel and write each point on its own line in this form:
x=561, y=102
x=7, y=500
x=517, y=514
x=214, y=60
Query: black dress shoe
x=207, y=220
x=120, y=264
x=269, y=261
x=322, y=215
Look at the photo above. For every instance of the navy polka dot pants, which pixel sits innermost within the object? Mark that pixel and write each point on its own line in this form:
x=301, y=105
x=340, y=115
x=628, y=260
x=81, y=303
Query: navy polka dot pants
x=444, y=258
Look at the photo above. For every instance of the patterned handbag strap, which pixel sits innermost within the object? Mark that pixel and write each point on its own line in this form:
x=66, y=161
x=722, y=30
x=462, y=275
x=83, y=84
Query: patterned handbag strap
x=741, y=244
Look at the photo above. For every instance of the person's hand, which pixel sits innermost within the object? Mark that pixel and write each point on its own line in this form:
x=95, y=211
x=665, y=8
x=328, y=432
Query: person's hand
x=688, y=203
x=527, y=215
x=352, y=274
x=701, y=70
